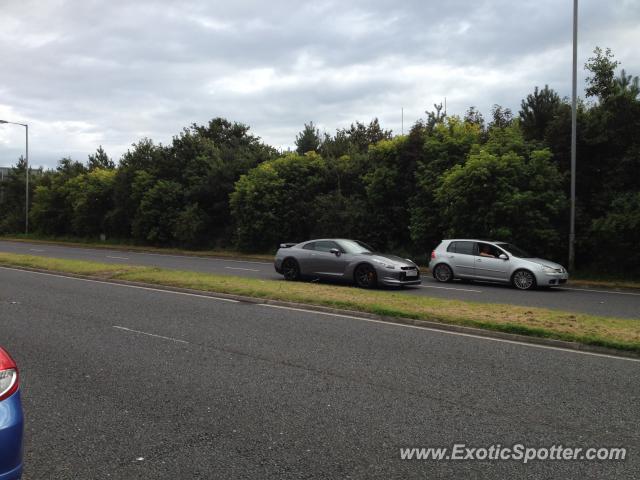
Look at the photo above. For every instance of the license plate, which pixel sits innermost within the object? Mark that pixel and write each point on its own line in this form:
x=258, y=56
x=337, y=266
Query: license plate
x=411, y=273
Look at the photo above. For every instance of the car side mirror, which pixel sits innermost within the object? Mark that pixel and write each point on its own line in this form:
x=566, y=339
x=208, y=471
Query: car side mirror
x=336, y=252
x=503, y=256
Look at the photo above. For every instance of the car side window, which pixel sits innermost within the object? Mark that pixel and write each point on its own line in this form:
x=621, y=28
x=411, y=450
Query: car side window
x=466, y=248
x=488, y=250
x=325, y=246
x=452, y=247
x=310, y=246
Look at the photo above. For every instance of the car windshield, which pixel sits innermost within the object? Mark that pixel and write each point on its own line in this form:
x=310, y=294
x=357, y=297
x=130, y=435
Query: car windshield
x=355, y=246
x=515, y=251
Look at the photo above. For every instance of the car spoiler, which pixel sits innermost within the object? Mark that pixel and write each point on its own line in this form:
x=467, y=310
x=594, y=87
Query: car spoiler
x=287, y=245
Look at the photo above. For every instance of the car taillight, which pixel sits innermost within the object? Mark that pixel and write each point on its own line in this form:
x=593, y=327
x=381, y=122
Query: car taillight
x=433, y=254
x=8, y=375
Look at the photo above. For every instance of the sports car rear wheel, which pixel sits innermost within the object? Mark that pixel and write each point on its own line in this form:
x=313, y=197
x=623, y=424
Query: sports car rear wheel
x=290, y=269
x=365, y=276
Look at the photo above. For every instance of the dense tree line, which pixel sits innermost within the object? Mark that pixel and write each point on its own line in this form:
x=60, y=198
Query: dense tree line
x=219, y=186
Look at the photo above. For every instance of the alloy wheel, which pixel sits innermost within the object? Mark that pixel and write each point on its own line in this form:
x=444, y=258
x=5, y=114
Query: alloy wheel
x=365, y=276
x=443, y=273
x=523, y=280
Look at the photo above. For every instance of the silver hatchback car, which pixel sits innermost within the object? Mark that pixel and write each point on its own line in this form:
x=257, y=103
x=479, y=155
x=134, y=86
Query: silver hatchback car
x=495, y=262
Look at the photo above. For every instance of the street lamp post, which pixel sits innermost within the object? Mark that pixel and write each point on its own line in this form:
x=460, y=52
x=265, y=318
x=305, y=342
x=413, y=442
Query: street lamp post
x=572, y=221
x=26, y=202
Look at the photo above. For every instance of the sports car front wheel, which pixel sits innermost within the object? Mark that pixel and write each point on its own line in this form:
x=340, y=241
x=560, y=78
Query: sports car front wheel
x=365, y=276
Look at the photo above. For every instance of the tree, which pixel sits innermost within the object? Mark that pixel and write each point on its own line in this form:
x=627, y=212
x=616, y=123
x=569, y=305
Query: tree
x=355, y=139
x=602, y=66
x=190, y=225
x=501, y=117
x=537, y=111
x=474, y=117
x=505, y=197
x=386, y=196
x=12, y=197
x=446, y=146
x=435, y=116
x=100, y=159
x=206, y=161
x=91, y=198
x=626, y=85
x=69, y=168
x=52, y=212
x=212, y=158
x=158, y=212
x=504, y=140
x=308, y=140
x=274, y=202
x=617, y=233
x=143, y=156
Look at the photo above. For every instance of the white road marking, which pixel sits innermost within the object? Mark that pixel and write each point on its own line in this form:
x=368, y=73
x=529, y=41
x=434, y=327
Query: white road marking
x=149, y=334
x=245, y=269
x=119, y=258
x=451, y=288
x=447, y=332
x=600, y=291
x=209, y=297
x=36, y=250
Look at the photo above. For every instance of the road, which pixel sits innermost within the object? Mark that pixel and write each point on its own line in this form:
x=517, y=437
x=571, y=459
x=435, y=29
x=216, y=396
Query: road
x=593, y=301
x=124, y=382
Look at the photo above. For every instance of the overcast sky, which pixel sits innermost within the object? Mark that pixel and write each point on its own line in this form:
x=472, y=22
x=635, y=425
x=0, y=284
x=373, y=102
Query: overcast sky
x=84, y=73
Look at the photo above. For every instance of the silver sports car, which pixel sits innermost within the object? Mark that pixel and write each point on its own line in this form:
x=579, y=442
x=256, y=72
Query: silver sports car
x=348, y=260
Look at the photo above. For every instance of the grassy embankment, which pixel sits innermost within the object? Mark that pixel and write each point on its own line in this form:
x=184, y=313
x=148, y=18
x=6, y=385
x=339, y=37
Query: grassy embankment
x=622, y=334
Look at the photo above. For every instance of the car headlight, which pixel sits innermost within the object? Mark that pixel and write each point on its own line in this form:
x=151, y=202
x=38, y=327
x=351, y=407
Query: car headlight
x=549, y=270
x=385, y=265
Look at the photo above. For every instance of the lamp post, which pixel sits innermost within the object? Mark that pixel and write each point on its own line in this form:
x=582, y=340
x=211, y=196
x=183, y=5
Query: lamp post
x=26, y=190
x=572, y=221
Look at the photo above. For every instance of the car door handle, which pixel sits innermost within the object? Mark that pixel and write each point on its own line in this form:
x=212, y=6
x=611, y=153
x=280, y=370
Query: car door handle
x=450, y=256
x=478, y=259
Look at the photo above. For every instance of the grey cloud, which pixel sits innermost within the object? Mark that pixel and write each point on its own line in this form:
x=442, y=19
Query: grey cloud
x=85, y=73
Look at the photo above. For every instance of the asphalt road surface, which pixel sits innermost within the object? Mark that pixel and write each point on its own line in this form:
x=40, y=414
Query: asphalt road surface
x=624, y=304
x=132, y=383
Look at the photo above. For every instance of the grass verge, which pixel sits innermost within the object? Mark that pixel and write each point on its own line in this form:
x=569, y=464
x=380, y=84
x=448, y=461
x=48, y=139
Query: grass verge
x=617, y=333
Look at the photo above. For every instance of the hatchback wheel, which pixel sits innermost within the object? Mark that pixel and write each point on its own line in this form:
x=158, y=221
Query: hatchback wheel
x=290, y=269
x=523, y=280
x=365, y=276
x=443, y=273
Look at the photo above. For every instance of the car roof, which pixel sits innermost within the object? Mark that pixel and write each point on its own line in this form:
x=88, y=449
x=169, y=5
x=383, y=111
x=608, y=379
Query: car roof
x=472, y=240
x=327, y=240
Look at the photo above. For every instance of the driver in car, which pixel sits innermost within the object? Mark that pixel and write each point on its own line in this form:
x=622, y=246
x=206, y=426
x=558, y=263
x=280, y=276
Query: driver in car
x=486, y=252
